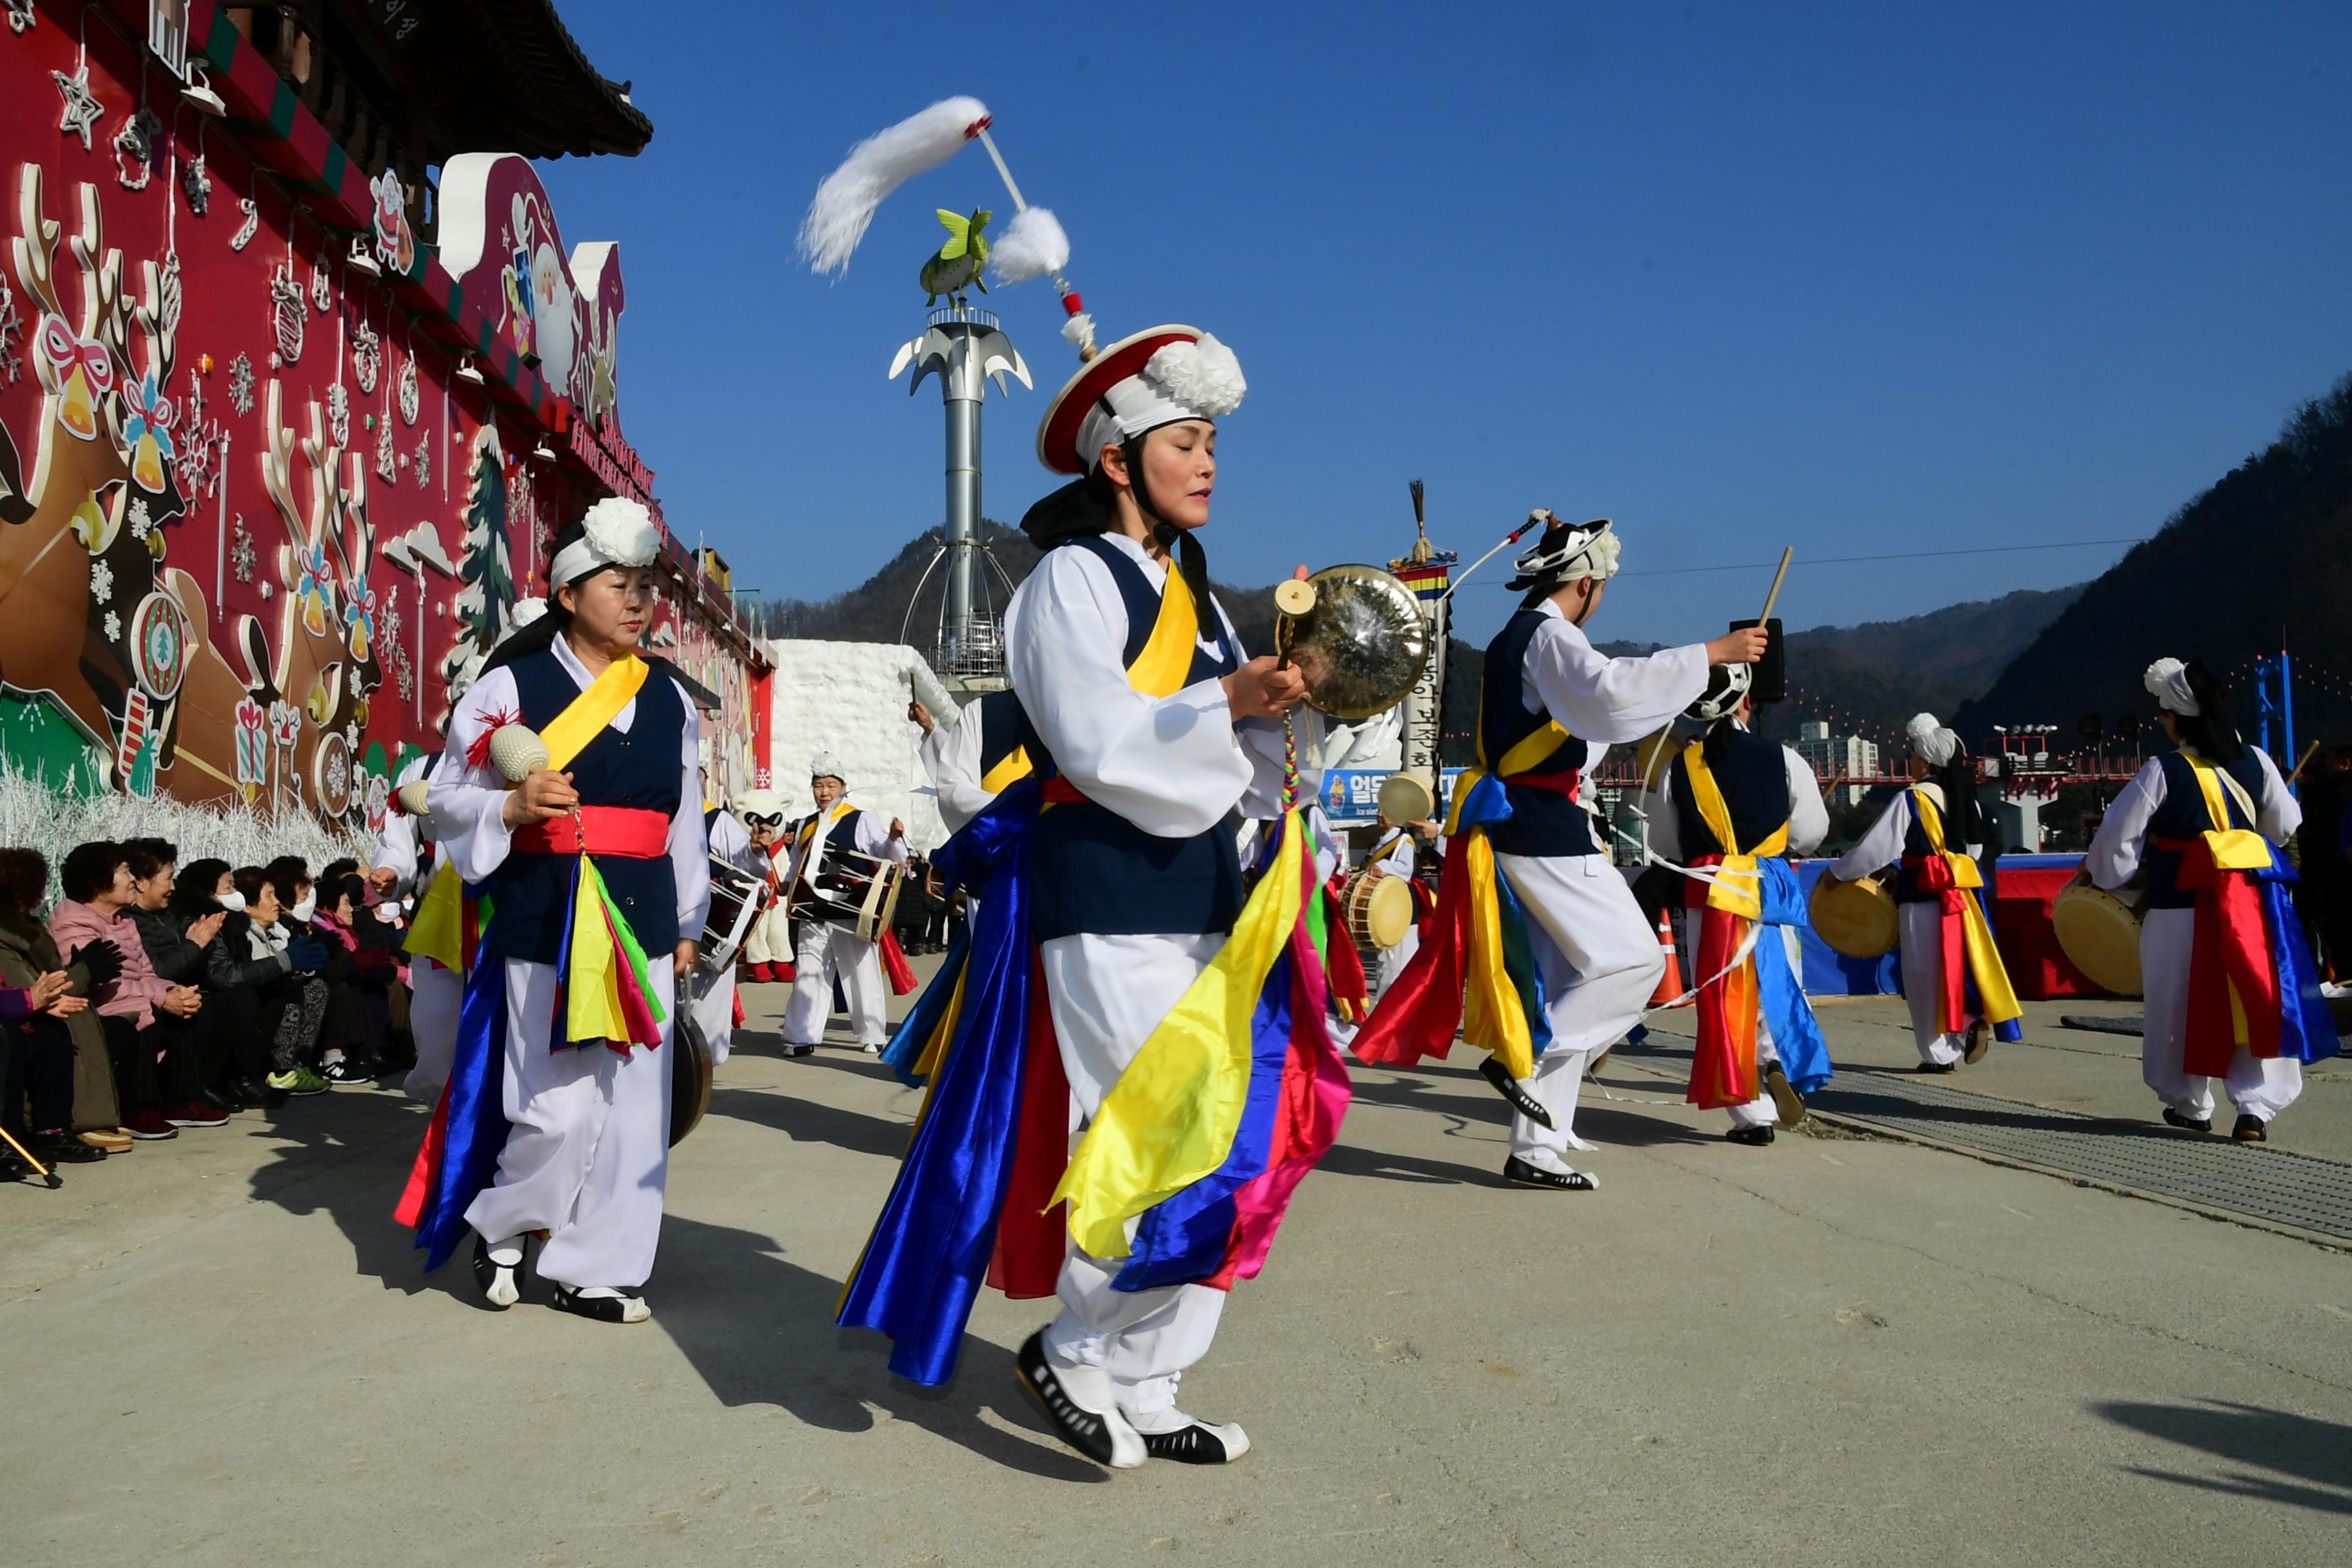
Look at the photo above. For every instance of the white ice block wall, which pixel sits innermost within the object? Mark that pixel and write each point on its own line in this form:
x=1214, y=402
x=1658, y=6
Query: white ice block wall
x=850, y=698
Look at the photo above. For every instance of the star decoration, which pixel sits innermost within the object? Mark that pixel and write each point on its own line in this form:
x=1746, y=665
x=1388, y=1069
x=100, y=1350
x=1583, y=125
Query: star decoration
x=82, y=110
x=20, y=16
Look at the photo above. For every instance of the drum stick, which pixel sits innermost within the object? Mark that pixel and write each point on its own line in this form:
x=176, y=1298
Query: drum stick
x=1772, y=597
x=2302, y=761
x=1830, y=788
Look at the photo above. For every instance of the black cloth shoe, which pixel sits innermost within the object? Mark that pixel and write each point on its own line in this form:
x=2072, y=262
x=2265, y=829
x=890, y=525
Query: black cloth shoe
x=1755, y=1137
x=1980, y=1041
x=2249, y=1130
x=1492, y=1071
x=1106, y=1439
x=226, y=1103
x=2186, y=1122
x=64, y=1148
x=793, y=1048
x=1519, y=1173
x=501, y=1285
x=1199, y=1443
x=628, y=1307
x=1938, y=1067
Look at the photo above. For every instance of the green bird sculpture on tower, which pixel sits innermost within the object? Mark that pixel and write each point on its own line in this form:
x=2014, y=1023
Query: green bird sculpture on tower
x=957, y=264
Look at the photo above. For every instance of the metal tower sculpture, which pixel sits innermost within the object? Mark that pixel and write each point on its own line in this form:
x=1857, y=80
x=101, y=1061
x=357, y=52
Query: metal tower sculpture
x=967, y=349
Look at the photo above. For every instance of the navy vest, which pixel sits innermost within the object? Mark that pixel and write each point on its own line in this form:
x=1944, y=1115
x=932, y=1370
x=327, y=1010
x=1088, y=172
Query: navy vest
x=2183, y=816
x=1542, y=822
x=1096, y=873
x=1000, y=730
x=1753, y=779
x=532, y=892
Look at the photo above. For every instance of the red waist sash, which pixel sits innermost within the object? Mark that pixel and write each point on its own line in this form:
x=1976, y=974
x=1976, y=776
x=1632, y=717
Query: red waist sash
x=1059, y=791
x=2230, y=951
x=630, y=832
x=1556, y=783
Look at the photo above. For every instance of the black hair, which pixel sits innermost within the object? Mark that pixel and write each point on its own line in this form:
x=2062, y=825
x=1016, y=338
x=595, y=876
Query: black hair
x=250, y=880
x=23, y=879
x=194, y=894
x=149, y=856
x=1965, y=821
x=343, y=866
x=286, y=873
x=352, y=886
x=2210, y=731
x=89, y=870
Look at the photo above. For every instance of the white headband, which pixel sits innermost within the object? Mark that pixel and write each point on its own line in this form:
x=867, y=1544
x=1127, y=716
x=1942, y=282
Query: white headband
x=1182, y=381
x=1930, y=741
x=619, y=534
x=2168, y=681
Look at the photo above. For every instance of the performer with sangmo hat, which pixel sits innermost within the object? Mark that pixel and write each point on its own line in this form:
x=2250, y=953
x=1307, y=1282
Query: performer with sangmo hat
x=2231, y=991
x=1953, y=977
x=1525, y=877
x=837, y=835
x=556, y=1117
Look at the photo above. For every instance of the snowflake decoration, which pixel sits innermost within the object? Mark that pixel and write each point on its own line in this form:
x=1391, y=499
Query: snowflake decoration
x=196, y=184
x=113, y=626
x=240, y=555
x=246, y=230
x=240, y=385
x=339, y=414
x=392, y=618
x=12, y=364
x=322, y=287
x=20, y=16
x=403, y=680
x=367, y=357
x=101, y=581
x=82, y=110
x=134, y=149
x=424, y=463
x=387, y=466
x=142, y=520
x=203, y=447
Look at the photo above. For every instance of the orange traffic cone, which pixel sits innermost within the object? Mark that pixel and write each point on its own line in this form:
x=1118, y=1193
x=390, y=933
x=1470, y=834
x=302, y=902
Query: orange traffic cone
x=1670, y=984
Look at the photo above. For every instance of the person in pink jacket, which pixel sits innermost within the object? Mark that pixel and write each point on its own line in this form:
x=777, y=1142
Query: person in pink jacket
x=99, y=887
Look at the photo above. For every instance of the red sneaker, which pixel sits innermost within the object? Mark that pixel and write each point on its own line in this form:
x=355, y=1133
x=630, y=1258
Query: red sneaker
x=194, y=1113
x=151, y=1125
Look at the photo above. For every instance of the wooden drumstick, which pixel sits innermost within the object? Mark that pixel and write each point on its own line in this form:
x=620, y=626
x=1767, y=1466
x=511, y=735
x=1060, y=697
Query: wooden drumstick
x=2302, y=761
x=1769, y=599
x=1830, y=788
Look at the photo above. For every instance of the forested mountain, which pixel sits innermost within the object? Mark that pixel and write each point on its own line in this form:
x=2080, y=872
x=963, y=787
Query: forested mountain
x=2261, y=560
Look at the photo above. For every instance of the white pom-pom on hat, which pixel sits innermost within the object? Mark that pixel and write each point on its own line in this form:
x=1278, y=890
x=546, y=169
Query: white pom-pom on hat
x=1204, y=375
x=1033, y=246
x=2168, y=681
x=1929, y=741
x=826, y=766
x=621, y=531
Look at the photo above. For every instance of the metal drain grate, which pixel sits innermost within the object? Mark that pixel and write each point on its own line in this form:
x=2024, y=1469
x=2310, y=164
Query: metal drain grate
x=2264, y=1183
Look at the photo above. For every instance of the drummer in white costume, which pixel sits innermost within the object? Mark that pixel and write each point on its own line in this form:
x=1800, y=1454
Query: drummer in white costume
x=827, y=953
x=586, y=1159
x=1136, y=868
x=2146, y=829
x=1939, y=766
x=1395, y=853
x=714, y=1001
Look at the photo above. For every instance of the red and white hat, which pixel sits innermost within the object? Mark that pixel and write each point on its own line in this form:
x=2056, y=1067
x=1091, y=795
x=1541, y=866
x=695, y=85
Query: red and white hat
x=1157, y=376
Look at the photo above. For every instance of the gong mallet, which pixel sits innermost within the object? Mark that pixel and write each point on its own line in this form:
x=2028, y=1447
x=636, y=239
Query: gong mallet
x=1293, y=598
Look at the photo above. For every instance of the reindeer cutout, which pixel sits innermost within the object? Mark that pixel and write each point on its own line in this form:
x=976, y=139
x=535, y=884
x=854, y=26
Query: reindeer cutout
x=57, y=639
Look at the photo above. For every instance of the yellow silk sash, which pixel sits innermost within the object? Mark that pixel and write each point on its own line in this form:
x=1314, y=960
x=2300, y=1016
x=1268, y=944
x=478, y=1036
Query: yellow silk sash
x=1737, y=886
x=438, y=931
x=1009, y=770
x=2235, y=848
x=1984, y=957
x=586, y=716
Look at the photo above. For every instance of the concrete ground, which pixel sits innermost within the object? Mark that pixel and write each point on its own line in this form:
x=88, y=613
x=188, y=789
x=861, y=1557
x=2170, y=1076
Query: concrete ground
x=1836, y=1350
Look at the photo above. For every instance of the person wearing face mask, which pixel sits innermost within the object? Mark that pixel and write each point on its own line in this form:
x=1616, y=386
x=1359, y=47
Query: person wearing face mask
x=176, y=946
x=157, y=1070
x=556, y=1119
x=229, y=979
x=827, y=845
x=1933, y=833
x=1113, y=874
x=1569, y=935
x=28, y=955
x=293, y=1006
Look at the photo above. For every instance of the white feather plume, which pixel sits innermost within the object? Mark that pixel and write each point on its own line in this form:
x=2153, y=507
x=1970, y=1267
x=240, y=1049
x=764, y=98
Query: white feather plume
x=1080, y=329
x=846, y=203
x=1032, y=245
x=1204, y=375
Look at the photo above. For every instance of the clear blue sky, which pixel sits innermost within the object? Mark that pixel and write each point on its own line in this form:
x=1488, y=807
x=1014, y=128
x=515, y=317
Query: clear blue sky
x=1858, y=278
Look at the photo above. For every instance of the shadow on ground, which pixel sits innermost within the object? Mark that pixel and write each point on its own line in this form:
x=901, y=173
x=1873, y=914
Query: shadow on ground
x=2296, y=1460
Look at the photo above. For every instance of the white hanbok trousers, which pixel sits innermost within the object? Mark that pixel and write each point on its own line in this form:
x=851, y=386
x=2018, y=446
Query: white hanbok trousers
x=714, y=1009
x=435, y=994
x=828, y=953
x=1392, y=962
x=588, y=1157
x=1760, y=1111
x=1919, y=938
x=2257, y=1086
x=1599, y=963
x=1108, y=994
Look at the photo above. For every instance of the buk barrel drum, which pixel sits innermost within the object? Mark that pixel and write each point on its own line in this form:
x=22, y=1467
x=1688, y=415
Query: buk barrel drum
x=2099, y=933
x=854, y=890
x=1856, y=919
x=737, y=899
x=1379, y=910
x=690, y=1064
